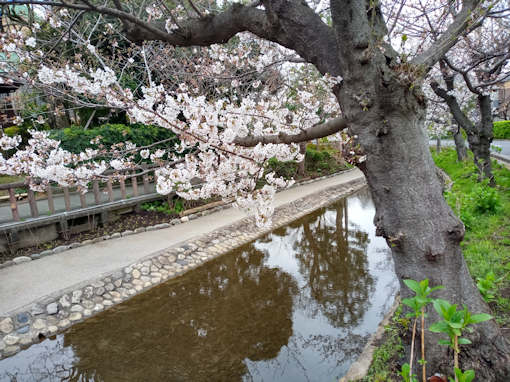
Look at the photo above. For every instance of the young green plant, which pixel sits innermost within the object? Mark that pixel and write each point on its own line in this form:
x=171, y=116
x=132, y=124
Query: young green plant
x=406, y=373
x=453, y=324
x=466, y=376
x=417, y=304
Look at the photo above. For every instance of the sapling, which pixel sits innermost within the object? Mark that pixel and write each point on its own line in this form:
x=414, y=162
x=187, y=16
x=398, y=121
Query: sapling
x=466, y=376
x=453, y=324
x=418, y=304
x=406, y=373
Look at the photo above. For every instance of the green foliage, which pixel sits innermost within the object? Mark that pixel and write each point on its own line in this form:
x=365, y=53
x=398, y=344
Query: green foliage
x=421, y=298
x=488, y=286
x=484, y=199
x=163, y=207
x=76, y=140
x=467, y=376
x=486, y=245
x=287, y=170
x=501, y=130
x=319, y=160
x=404, y=373
x=454, y=322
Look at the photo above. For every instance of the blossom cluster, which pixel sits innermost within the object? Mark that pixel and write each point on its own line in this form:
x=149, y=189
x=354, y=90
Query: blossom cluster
x=243, y=89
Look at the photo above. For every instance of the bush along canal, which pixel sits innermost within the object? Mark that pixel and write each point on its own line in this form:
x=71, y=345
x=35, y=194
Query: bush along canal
x=297, y=304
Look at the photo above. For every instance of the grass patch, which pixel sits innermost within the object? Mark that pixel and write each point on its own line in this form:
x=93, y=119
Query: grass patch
x=485, y=212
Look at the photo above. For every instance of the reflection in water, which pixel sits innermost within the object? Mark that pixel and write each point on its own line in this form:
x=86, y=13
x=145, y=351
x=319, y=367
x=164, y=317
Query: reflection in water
x=295, y=305
x=332, y=258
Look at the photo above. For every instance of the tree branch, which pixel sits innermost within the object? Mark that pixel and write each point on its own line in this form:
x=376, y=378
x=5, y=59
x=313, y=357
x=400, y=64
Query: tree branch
x=454, y=107
x=464, y=22
x=317, y=131
x=297, y=27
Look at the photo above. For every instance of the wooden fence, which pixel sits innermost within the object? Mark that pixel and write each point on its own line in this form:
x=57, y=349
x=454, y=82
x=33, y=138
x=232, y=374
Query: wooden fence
x=132, y=179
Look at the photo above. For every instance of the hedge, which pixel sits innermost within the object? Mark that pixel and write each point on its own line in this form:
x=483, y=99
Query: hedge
x=502, y=130
x=76, y=140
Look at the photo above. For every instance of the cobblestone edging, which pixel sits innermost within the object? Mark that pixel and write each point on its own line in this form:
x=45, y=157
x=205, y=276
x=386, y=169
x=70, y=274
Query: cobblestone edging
x=116, y=235
x=55, y=313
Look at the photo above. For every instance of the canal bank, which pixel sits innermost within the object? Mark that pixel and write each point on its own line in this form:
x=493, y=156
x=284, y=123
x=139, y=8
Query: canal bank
x=43, y=297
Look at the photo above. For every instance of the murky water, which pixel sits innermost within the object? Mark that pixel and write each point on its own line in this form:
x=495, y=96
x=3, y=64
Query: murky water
x=295, y=305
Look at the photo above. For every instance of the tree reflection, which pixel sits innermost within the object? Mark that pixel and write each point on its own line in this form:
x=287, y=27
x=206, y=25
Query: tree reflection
x=200, y=327
x=217, y=322
x=333, y=259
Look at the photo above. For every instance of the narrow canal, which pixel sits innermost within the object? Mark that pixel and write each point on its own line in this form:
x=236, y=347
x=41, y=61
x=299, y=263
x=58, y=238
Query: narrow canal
x=295, y=305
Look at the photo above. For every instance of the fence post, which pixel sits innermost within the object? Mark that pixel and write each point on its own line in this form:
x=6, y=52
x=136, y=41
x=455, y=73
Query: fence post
x=97, y=195
x=14, y=204
x=134, y=184
x=146, y=189
x=122, y=188
x=51, y=204
x=67, y=199
x=83, y=200
x=33, y=204
x=110, y=189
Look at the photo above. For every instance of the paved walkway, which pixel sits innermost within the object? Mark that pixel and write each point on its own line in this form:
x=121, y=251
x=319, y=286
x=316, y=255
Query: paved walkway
x=503, y=144
x=25, y=283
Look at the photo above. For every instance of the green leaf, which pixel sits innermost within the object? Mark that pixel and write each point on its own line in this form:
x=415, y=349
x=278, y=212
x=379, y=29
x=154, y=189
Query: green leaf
x=456, y=325
x=439, y=327
x=469, y=375
x=441, y=307
x=464, y=341
x=436, y=288
x=413, y=285
x=477, y=318
x=424, y=284
x=444, y=342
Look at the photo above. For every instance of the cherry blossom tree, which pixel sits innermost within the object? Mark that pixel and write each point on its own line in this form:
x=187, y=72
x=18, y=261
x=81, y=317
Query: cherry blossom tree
x=481, y=61
x=372, y=57
x=467, y=74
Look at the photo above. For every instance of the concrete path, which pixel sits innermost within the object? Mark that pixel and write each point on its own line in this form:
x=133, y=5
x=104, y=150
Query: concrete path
x=22, y=284
x=503, y=144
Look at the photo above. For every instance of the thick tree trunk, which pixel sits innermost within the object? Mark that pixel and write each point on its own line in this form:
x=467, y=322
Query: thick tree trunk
x=418, y=225
x=460, y=144
x=480, y=140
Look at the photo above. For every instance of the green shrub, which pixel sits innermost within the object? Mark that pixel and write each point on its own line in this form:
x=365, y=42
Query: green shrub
x=286, y=170
x=162, y=206
x=319, y=160
x=76, y=140
x=502, y=130
x=485, y=199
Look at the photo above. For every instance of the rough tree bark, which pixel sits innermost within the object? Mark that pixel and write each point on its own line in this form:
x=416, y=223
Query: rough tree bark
x=460, y=143
x=382, y=103
x=411, y=213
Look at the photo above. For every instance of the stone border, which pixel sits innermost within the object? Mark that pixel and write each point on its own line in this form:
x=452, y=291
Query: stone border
x=359, y=368
x=53, y=314
x=116, y=235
